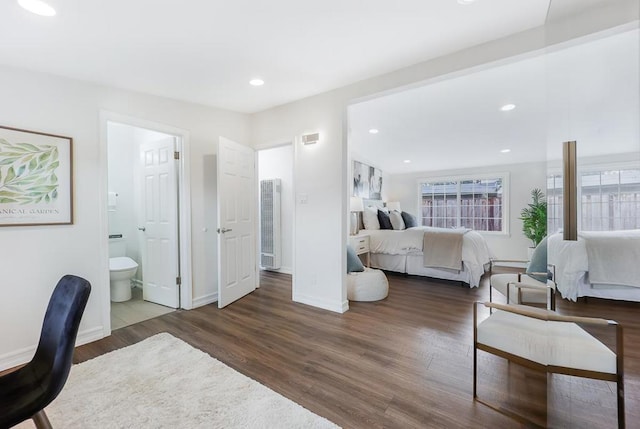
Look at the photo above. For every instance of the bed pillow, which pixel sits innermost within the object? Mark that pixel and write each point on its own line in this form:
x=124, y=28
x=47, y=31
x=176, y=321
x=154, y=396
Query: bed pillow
x=383, y=219
x=354, y=264
x=370, y=218
x=396, y=220
x=409, y=220
x=538, y=263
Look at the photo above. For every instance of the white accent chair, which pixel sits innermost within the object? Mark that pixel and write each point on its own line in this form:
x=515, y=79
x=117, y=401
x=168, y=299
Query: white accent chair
x=521, y=288
x=546, y=341
x=534, y=286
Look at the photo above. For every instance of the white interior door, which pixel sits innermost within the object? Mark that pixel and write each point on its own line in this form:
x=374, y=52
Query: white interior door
x=237, y=200
x=159, y=227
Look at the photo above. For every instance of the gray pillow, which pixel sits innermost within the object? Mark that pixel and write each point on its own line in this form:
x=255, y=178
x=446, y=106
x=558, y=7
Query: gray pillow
x=538, y=263
x=409, y=220
x=354, y=264
x=385, y=221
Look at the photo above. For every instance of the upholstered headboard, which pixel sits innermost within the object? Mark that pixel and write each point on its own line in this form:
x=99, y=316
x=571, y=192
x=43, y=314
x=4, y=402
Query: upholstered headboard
x=372, y=203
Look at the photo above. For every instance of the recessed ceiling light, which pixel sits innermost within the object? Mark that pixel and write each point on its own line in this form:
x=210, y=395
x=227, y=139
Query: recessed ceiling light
x=373, y=131
x=256, y=82
x=466, y=1
x=508, y=107
x=505, y=151
x=407, y=161
x=38, y=7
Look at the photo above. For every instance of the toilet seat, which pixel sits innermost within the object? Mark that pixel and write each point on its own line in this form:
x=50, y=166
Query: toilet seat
x=122, y=263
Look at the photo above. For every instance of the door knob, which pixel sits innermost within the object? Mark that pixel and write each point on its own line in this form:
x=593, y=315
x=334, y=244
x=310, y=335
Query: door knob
x=142, y=228
x=223, y=230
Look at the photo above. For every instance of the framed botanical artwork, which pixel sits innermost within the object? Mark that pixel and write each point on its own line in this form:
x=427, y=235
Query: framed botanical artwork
x=36, y=178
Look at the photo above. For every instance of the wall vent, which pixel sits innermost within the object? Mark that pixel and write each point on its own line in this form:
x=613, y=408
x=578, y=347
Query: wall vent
x=270, y=240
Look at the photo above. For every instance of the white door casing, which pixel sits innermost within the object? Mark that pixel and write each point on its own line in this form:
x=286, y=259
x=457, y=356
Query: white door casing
x=237, y=196
x=159, y=226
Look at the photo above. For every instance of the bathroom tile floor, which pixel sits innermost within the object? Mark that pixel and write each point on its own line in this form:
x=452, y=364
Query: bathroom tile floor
x=135, y=310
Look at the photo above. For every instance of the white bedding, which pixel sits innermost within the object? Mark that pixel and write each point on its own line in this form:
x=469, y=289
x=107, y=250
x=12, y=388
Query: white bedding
x=475, y=252
x=572, y=264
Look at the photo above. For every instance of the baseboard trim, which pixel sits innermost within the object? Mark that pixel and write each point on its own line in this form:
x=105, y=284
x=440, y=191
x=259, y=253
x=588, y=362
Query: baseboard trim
x=204, y=300
x=24, y=355
x=337, y=307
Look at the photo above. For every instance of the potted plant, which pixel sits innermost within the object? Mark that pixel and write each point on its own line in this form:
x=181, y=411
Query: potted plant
x=534, y=218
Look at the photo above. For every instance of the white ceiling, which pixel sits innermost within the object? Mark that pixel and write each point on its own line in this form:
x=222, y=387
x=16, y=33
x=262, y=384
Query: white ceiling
x=588, y=92
x=206, y=51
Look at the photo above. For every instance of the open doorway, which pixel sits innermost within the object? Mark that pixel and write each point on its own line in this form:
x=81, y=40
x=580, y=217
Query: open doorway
x=275, y=243
x=143, y=223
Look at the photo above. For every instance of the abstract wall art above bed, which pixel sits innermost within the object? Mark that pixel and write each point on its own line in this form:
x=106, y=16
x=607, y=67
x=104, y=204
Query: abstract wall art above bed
x=367, y=181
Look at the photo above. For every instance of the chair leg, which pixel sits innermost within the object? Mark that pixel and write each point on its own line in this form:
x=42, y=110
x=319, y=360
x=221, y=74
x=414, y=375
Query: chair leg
x=620, y=394
x=41, y=420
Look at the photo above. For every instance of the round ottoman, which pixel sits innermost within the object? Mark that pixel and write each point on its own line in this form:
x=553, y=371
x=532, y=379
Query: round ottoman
x=367, y=285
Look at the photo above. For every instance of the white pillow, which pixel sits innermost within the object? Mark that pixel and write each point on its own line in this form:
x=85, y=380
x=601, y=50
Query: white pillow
x=370, y=218
x=396, y=220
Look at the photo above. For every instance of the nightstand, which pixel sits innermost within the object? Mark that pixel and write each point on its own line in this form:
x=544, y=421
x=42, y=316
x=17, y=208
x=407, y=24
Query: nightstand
x=360, y=244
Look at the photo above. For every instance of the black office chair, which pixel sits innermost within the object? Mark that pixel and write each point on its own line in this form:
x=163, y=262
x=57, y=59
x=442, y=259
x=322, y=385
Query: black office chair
x=25, y=393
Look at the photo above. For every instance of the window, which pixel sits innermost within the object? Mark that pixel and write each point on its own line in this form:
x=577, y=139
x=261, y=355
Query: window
x=609, y=199
x=476, y=203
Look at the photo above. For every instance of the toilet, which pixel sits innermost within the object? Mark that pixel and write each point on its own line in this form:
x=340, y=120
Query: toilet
x=121, y=269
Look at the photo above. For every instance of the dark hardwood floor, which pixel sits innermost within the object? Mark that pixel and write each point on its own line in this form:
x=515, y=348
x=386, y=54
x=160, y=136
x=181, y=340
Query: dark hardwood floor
x=404, y=362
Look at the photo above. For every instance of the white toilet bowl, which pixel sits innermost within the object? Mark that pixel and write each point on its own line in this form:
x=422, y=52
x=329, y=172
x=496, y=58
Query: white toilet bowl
x=121, y=271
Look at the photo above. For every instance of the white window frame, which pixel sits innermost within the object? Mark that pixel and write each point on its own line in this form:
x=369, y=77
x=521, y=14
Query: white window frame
x=586, y=167
x=480, y=176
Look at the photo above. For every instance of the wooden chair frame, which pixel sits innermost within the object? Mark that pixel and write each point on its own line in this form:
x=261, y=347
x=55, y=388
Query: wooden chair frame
x=541, y=314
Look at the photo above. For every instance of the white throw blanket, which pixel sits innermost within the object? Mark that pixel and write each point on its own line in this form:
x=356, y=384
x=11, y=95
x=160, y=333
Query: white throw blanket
x=442, y=248
x=614, y=257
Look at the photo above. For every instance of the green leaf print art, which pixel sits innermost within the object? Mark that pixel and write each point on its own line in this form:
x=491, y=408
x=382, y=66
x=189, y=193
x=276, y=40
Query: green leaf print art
x=28, y=173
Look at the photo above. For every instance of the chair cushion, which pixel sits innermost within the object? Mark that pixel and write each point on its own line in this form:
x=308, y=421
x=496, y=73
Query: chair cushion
x=500, y=281
x=354, y=264
x=538, y=263
x=370, y=285
x=546, y=342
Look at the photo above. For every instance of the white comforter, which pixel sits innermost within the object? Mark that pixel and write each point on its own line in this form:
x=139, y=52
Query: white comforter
x=572, y=261
x=475, y=252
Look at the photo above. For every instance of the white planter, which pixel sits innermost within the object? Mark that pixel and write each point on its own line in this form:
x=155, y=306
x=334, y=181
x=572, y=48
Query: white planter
x=530, y=252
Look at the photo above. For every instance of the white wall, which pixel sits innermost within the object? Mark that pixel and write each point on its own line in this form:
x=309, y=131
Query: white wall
x=32, y=259
x=522, y=179
x=277, y=163
x=321, y=170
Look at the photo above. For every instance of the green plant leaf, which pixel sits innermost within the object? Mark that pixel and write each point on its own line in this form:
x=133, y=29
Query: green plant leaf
x=11, y=174
x=534, y=217
x=30, y=147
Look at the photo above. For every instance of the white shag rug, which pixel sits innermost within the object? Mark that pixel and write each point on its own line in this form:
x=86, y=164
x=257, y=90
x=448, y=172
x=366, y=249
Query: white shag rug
x=163, y=382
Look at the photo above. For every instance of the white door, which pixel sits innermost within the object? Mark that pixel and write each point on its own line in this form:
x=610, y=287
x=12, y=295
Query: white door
x=237, y=200
x=159, y=229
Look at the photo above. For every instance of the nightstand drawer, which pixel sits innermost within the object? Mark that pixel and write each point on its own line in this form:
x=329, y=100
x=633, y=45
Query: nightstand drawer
x=359, y=243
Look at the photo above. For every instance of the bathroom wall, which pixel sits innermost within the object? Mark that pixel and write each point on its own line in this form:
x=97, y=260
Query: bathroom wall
x=277, y=163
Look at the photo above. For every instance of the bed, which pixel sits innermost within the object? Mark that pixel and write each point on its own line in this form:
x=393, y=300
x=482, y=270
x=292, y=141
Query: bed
x=402, y=251
x=599, y=264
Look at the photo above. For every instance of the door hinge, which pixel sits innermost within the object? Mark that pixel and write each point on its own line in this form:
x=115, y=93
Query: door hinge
x=176, y=155
x=178, y=281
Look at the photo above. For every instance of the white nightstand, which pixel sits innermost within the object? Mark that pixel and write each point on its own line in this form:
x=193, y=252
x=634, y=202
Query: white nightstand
x=360, y=244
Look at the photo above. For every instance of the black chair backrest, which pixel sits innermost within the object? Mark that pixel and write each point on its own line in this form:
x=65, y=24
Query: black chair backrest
x=54, y=354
